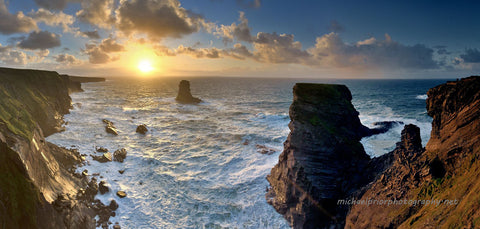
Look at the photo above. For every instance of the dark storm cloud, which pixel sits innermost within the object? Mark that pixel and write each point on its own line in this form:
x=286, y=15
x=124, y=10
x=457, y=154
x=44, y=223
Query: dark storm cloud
x=471, y=56
x=40, y=40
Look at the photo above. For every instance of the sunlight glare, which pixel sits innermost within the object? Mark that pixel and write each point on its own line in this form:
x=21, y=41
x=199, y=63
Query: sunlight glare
x=145, y=66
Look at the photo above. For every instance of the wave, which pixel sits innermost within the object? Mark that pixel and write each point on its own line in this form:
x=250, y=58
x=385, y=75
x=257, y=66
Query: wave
x=422, y=97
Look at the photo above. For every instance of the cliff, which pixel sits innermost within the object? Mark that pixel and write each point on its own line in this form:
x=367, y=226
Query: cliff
x=34, y=172
x=323, y=157
x=308, y=176
x=447, y=169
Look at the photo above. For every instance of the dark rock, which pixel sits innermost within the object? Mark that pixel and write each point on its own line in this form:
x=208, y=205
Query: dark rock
x=116, y=226
x=106, y=157
x=113, y=205
x=109, y=127
x=246, y=142
x=101, y=149
x=103, y=187
x=85, y=173
x=265, y=150
x=92, y=189
x=120, y=155
x=121, y=171
x=323, y=158
x=121, y=194
x=142, y=129
x=184, y=94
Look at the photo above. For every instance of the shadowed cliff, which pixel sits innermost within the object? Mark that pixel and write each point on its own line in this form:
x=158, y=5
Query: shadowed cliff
x=34, y=173
x=323, y=157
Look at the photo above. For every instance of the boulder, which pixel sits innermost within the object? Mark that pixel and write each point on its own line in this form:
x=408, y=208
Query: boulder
x=103, y=187
x=142, y=129
x=113, y=205
x=184, y=95
x=121, y=194
x=120, y=155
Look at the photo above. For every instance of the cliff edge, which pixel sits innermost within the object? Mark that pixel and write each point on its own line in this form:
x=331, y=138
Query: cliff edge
x=38, y=186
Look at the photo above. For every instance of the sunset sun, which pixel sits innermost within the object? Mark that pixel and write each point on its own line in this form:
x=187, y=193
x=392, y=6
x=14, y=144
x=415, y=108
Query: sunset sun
x=145, y=66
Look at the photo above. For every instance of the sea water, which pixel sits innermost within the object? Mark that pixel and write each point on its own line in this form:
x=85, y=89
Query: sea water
x=193, y=168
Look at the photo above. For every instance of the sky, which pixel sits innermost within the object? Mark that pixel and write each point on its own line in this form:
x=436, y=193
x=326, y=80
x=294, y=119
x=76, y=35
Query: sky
x=243, y=38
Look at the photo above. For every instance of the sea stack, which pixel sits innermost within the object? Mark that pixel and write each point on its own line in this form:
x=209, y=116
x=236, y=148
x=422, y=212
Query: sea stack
x=322, y=159
x=184, y=95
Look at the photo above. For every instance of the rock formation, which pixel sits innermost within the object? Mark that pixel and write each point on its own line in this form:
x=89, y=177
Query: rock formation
x=120, y=155
x=447, y=169
x=184, y=95
x=323, y=157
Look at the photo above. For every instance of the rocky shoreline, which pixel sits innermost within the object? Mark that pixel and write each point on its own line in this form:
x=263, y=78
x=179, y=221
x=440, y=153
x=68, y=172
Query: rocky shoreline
x=323, y=162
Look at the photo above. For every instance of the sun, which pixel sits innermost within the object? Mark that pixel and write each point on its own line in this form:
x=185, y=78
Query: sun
x=145, y=66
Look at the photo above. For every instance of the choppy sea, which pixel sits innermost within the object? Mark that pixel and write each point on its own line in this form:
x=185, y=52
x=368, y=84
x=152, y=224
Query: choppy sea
x=192, y=169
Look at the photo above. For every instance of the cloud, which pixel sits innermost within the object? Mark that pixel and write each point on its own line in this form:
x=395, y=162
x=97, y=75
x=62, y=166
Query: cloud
x=336, y=27
x=211, y=53
x=250, y=4
x=110, y=45
x=12, y=57
x=99, y=54
x=40, y=40
x=67, y=59
x=91, y=34
x=240, y=32
x=442, y=50
x=330, y=50
x=275, y=48
x=14, y=23
x=97, y=13
x=158, y=19
x=239, y=52
x=471, y=56
x=54, y=19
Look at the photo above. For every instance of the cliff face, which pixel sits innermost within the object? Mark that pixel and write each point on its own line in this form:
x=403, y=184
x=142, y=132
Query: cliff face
x=34, y=172
x=322, y=158
x=323, y=161
x=446, y=170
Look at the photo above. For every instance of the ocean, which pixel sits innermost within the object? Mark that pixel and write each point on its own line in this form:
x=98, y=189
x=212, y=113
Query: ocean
x=192, y=169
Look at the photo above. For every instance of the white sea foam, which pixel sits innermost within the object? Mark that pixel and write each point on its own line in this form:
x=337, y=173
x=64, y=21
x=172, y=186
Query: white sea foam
x=423, y=97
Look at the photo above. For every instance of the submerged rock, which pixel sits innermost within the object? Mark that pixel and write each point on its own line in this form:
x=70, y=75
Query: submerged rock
x=120, y=155
x=101, y=149
x=184, y=94
x=142, y=129
x=265, y=150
